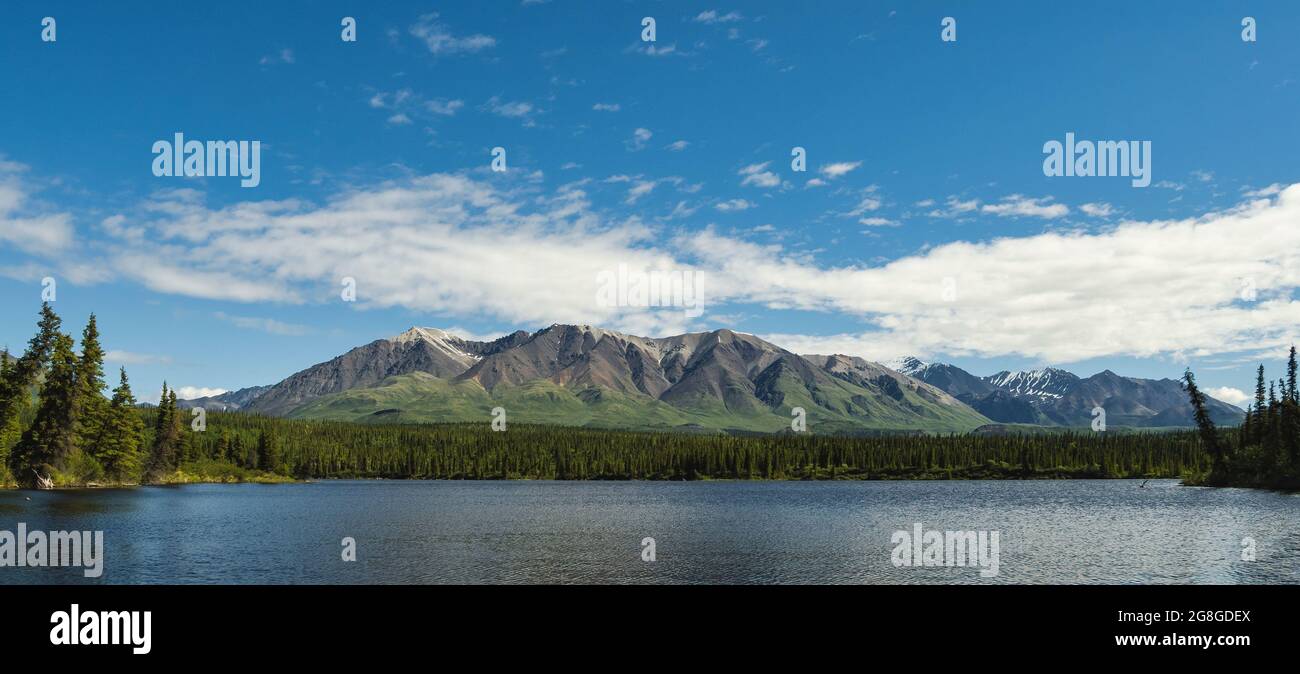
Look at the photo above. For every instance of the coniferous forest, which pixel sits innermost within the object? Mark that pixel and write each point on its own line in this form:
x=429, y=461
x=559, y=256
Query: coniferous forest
x=1264, y=451
x=59, y=428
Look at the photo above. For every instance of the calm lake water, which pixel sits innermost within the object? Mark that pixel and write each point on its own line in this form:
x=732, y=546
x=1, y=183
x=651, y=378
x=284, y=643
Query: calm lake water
x=1073, y=531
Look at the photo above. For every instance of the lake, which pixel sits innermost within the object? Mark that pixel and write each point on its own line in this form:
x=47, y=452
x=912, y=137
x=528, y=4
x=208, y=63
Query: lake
x=1069, y=531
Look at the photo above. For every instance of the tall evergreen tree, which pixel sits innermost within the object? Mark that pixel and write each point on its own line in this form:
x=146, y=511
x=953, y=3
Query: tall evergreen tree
x=50, y=441
x=268, y=451
x=1260, y=423
x=1291, y=393
x=91, y=410
x=162, y=456
x=14, y=388
x=11, y=428
x=1209, y=434
x=123, y=433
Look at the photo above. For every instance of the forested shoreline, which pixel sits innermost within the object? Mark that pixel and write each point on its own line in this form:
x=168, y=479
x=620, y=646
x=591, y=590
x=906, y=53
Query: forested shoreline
x=58, y=429
x=1264, y=451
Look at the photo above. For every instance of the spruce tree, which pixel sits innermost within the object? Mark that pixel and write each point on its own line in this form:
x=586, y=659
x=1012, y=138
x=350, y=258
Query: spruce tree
x=1260, y=423
x=162, y=456
x=14, y=388
x=1209, y=434
x=50, y=441
x=1291, y=393
x=268, y=452
x=123, y=433
x=91, y=410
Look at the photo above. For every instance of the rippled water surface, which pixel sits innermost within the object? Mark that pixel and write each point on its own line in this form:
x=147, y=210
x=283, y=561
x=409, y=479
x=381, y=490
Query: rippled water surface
x=1080, y=531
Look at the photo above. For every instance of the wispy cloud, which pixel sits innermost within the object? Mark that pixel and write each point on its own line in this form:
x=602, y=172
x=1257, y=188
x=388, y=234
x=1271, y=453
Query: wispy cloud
x=440, y=40
x=838, y=169
x=757, y=175
x=118, y=357
x=282, y=57
x=712, y=16
x=267, y=325
x=1021, y=206
x=733, y=205
x=639, y=139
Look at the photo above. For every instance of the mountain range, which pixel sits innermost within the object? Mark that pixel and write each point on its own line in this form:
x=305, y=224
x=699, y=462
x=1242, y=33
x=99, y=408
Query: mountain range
x=1055, y=397
x=706, y=382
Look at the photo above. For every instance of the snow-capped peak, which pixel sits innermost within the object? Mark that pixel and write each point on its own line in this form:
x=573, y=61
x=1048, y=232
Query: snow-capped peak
x=1047, y=382
x=426, y=334
x=909, y=365
x=442, y=340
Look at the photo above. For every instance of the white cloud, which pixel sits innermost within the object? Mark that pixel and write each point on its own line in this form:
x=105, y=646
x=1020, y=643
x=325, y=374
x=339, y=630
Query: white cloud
x=267, y=325
x=1097, y=210
x=953, y=207
x=868, y=203
x=758, y=176
x=653, y=49
x=1021, y=206
x=1271, y=190
x=438, y=243
x=510, y=109
x=445, y=107
x=400, y=119
x=1168, y=288
x=192, y=392
x=1229, y=394
x=606, y=107
x=33, y=231
x=838, y=169
x=284, y=56
x=439, y=39
x=638, y=190
x=639, y=138
x=714, y=16
x=118, y=357
x=878, y=222
x=733, y=205
x=678, y=145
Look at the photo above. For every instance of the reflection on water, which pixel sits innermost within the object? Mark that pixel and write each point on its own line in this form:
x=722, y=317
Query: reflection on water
x=1080, y=531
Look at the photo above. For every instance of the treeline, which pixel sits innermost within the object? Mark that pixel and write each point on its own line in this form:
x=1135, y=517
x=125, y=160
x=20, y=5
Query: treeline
x=328, y=449
x=54, y=418
x=58, y=428
x=1265, y=450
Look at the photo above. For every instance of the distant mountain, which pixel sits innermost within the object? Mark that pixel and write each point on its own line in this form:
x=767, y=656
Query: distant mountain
x=949, y=378
x=585, y=375
x=230, y=400
x=706, y=381
x=1042, y=385
x=1055, y=397
x=426, y=350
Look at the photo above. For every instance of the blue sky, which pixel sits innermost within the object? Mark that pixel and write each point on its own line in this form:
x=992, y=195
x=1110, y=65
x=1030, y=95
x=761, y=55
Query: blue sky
x=924, y=163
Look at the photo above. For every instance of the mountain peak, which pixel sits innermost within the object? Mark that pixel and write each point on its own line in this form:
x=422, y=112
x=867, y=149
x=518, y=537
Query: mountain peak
x=909, y=365
x=416, y=334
